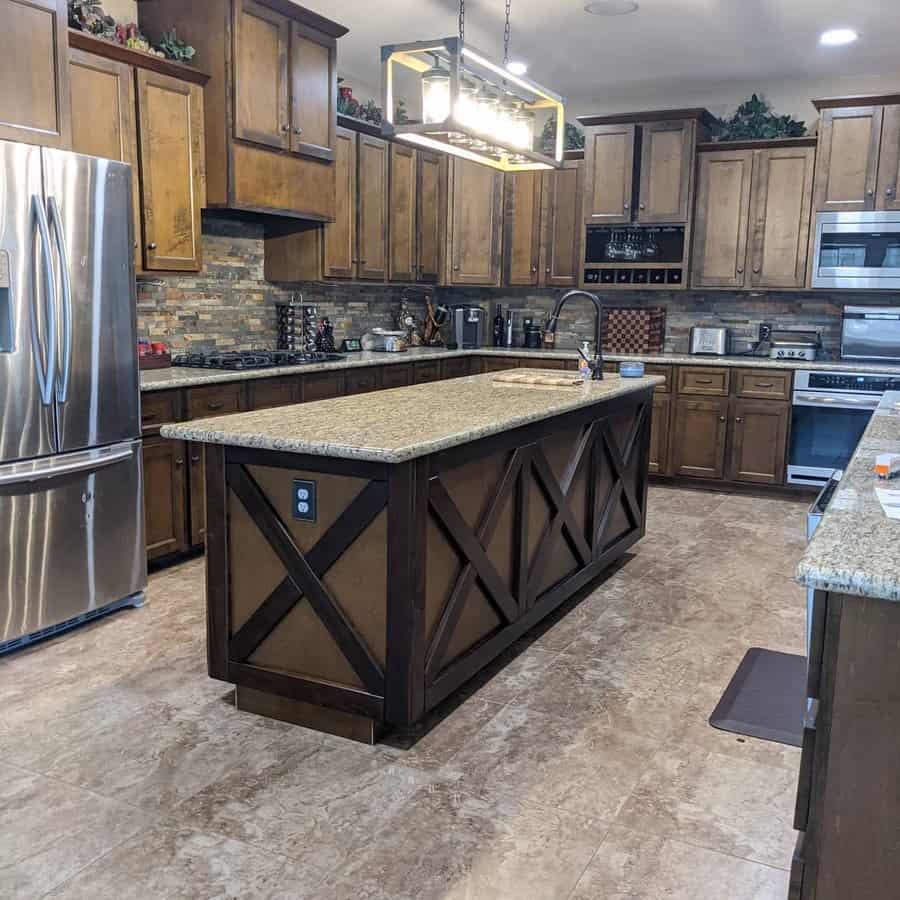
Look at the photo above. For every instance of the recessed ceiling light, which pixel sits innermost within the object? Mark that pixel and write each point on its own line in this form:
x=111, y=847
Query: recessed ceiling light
x=836, y=37
x=610, y=7
x=517, y=68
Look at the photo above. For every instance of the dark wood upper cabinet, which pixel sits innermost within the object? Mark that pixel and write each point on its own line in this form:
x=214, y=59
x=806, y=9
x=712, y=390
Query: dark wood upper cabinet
x=561, y=225
x=429, y=218
x=847, y=166
x=781, y=207
x=721, y=222
x=313, y=92
x=170, y=126
x=522, y=223
x=609, y=173
x=759, y=432
x=667, y=160
x=261, y=75
x=402, y=241
x=34, y=75
x=103, y=120
x=270, y=107
x=889, y=159
x=372, y=208
x=699, y=437
x=339, y=236
x=476, y=214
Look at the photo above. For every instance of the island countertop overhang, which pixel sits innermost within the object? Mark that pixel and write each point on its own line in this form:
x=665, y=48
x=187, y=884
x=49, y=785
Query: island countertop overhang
x=399, y=425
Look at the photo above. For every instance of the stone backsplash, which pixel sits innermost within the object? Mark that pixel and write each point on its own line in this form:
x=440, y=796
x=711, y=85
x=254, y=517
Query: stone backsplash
x=741, y=312
x=230, y=305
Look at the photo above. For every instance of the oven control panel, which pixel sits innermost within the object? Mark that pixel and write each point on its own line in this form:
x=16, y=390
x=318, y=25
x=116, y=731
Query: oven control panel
x=870, y=384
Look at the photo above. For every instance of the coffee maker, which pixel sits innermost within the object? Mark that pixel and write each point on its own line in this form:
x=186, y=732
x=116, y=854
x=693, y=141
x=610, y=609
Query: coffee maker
x=466, y=327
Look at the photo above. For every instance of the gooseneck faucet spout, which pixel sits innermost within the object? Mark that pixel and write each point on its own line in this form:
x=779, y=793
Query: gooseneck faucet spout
x=597, y=363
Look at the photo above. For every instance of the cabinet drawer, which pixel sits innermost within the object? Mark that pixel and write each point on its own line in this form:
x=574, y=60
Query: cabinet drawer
x=394, y=376
x=362, y=381
x=763, y=384
x=158, y=408
x=706, y=381
x=215, y=401
x=322, y=387
x=455, y=368
x=424, y=372
x=804, y=781
x=665, y=371
x=266, y=393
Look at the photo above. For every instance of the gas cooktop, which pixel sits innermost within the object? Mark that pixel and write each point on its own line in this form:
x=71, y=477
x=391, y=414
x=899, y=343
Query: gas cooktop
x=252, y=359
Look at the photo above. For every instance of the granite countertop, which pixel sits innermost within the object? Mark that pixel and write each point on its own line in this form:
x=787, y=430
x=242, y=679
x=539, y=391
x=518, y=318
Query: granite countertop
x=177, y=377
x=856, y=548
x=401, y=424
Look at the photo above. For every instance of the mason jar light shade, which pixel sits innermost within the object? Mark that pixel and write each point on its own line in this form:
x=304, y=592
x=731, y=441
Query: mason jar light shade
x=472, y=107
x=435, y=95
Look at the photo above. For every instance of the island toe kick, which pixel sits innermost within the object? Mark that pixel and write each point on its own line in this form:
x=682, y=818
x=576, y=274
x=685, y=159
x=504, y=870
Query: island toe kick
x=353, y=596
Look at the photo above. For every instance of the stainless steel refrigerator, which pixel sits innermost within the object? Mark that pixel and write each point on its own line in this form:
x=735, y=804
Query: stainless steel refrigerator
x=71, y=515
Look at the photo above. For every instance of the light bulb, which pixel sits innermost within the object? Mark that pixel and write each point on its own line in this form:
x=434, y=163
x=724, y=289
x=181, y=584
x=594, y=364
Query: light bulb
x=435, y=95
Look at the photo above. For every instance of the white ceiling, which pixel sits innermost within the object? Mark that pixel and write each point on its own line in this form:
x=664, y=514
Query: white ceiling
x=670, y=52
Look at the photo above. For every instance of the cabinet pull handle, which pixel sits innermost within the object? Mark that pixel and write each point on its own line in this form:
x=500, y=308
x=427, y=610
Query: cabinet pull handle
x=215, y=404
x=195, y=459
x=148, y=417
x=764, y=384
x=704, y=380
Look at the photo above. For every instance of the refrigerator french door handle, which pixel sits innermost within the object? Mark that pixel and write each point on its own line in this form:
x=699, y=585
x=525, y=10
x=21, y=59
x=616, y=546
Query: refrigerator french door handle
x=41, y=470
x=48, y=375
x=62, y=389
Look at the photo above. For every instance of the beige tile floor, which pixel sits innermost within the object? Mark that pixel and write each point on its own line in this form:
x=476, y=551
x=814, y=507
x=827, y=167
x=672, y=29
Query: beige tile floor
x=580, y=766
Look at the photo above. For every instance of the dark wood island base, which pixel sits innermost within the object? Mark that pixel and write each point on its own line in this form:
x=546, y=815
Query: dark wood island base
x=415, y=574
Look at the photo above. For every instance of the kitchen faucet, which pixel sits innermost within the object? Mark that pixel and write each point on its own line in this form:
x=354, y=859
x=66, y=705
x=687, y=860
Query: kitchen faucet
x=596, y=363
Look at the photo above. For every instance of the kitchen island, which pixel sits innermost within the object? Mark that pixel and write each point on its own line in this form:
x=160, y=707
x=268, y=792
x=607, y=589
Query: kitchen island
x=367, y=555
x=848, y=801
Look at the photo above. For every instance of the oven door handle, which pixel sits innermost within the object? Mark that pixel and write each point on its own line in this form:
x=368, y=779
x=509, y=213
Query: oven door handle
x=830, y=401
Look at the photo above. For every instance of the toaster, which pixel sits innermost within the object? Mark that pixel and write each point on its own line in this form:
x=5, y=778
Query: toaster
x=709, y=341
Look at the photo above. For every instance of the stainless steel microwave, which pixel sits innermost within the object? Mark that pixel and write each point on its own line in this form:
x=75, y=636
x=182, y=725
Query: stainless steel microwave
x=871, y=333
x=858, y=250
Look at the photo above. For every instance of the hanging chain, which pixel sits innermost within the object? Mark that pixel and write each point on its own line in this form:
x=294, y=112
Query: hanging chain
x=462, y=21
x=506, y=35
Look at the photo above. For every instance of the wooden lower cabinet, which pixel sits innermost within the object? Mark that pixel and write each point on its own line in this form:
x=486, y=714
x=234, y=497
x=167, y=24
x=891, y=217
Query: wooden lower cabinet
x=699, y=437
x=759, y=431
x=197, y=459
x=267, y=393
x=659, y=434
x=165, y=483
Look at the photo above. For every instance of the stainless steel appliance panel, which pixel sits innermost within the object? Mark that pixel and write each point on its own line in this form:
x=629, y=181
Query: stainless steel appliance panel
x=71, y=536
x=26, y=403
x=871, y=333
x=857, y=250
x=97, y=385
x=709, y=341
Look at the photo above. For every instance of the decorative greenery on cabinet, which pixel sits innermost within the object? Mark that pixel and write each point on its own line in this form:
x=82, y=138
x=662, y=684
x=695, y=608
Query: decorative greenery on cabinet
x=755, y=120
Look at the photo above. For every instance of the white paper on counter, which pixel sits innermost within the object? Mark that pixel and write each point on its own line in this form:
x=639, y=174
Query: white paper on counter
x=889, y=498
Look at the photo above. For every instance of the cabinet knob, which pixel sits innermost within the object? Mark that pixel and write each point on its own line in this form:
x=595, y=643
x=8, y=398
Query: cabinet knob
x=179, y=462
x=756, y=269
x=642, y=206
x=285, y=128
x=456, y=268
x=547, y=270
x=738, y=419
x=869, y=192
x=889, y=192
x=534, y=268
x=722, y=419
x=151, y=245
x=195, y=459
x=298, y=131
x=740, y=270
x=625, y=205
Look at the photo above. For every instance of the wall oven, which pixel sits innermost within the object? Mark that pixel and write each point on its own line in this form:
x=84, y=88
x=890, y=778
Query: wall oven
x=857, y=250
x=830, y=413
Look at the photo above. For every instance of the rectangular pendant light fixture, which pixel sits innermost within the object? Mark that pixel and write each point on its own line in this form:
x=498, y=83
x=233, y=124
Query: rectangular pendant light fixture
x=472, y=107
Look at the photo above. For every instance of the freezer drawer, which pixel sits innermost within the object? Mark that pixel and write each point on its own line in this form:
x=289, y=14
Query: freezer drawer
x=71, y=537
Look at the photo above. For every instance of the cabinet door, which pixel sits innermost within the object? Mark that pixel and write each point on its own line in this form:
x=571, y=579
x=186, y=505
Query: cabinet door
x=165, y=484
x=722, y=218
x=261, y=84
x=698, y=437
x=667, y=156
x=562, y=226
x=759, y=441
x=889, y=160
x=781, y=202
x=373, y=208
x=659, y=434
x=476, y=213
x=34, y=77
x=522, y=221
x=313, y=92
x=340, y=235
x=103, y=120
x=170, y=125
x=609, y=173
x=402, y=250
x=197, y=494
x=428, y=217
x=847, y=165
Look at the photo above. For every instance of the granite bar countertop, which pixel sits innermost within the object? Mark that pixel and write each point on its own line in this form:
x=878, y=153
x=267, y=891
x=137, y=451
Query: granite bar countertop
x=856, y=548
x=397, y=425
x=178, y=377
